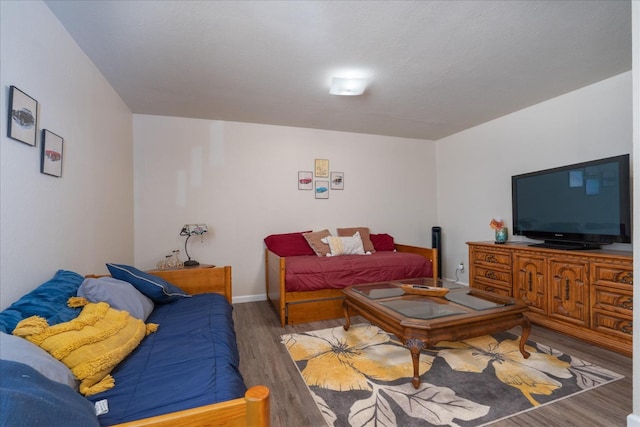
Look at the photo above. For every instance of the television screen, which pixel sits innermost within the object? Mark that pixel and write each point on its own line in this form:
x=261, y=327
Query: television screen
x=578, y=206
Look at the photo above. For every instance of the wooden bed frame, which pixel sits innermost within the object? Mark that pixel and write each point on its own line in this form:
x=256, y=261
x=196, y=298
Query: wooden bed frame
x=310, y=306
x=253, y=409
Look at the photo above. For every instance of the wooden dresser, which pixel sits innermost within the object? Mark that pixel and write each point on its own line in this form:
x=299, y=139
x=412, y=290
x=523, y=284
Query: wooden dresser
x=586, y=294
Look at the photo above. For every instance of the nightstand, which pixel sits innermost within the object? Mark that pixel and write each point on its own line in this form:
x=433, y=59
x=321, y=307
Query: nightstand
x=199, y=279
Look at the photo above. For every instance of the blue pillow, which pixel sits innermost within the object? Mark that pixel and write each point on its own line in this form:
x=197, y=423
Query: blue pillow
x=159, y=290
x=48, y=300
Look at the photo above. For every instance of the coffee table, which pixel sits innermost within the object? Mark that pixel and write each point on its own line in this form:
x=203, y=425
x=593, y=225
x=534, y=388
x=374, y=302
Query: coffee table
x=423, y=321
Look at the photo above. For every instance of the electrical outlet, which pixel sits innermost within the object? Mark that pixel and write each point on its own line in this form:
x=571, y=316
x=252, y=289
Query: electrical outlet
x=460, y=267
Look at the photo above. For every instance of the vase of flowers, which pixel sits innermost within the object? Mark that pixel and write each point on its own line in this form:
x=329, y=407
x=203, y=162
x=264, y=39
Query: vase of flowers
x=502, y=232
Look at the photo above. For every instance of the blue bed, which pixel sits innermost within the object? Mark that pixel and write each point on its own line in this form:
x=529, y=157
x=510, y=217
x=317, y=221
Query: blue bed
x=161, y=377
x=186, y=372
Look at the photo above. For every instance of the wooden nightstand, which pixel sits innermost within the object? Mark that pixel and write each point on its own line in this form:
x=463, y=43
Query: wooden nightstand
x=199, y=279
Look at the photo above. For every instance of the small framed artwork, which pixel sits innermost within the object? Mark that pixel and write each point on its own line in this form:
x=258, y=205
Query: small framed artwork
x=51, y=156
x=322, y=168
x=322, y=189
x=305, y=180
x=337, y=180
x=23, y=117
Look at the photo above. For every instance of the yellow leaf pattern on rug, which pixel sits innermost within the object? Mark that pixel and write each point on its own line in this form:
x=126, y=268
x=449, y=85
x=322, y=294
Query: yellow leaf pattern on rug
x=527, y=375
x=344, y=360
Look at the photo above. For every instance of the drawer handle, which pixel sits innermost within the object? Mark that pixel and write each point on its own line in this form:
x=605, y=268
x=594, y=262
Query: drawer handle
x=491, y=275
x=491, y=258
x=626, y=278
x=627, y=329
x=627, y=304
x=566, y=289
x=489, y=289
x=530, y=281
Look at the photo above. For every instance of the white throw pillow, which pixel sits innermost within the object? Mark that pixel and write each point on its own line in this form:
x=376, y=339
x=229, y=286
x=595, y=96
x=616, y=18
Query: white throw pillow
x=344, y=245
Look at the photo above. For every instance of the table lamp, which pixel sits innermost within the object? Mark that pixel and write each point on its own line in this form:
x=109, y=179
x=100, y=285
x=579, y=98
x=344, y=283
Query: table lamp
x=191, y=230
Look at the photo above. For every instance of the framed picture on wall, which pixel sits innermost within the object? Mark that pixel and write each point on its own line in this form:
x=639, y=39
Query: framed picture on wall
x=305, y=180
x=51, y=154
x=23, y=117
x=337, y=180
x=322, y=168
x=322, y=189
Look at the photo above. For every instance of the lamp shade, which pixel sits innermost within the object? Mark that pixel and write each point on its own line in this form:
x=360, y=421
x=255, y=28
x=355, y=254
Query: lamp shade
x=349, y=87
x=193, y=229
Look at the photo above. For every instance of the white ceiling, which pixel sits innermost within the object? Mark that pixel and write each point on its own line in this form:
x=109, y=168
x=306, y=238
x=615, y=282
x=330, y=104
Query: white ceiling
x=436, y=67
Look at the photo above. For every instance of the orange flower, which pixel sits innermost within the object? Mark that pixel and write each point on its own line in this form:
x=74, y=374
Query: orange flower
x=496, y=223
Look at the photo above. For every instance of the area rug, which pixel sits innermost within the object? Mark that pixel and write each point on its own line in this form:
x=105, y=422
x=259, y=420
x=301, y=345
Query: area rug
x=362, y=377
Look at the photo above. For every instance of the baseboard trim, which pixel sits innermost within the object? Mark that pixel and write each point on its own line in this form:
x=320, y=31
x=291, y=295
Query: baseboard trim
x=249, y=298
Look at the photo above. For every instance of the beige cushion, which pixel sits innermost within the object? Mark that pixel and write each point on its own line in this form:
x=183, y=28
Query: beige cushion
x=364, y=235
x=344, y=245
x=315, y=241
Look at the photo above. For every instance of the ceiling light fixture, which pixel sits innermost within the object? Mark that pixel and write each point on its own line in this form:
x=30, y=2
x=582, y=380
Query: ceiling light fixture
x=349, y=87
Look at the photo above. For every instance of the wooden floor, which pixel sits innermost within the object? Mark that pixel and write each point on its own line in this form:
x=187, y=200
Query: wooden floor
x=264, y=360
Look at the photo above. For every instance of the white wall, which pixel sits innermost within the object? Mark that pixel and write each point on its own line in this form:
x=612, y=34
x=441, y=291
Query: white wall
x=241, y=180
x=85, y=218
x=475, y=166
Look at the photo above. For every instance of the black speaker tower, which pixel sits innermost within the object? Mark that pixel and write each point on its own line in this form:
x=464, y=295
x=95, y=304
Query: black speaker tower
x=436, y=243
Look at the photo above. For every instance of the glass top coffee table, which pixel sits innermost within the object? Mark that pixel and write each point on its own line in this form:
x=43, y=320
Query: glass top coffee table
x=422, y=321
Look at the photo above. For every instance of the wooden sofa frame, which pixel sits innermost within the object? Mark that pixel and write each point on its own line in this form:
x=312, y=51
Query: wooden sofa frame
x=310, y=306
x=252, y=410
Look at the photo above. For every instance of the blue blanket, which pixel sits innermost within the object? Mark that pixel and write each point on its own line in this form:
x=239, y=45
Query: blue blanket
x=192, y=360
x=48, y=300
x=28, y=398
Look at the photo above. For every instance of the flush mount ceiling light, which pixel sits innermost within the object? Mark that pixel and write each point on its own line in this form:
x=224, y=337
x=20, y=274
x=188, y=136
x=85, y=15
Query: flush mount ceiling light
x=349, y=87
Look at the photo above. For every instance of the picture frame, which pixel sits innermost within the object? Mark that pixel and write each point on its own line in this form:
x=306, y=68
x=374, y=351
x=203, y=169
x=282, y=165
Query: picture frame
x=337, y=180
x=322, y=168
x=322, y=189
x=51, y=154
x=305, y=180
x=23, y=117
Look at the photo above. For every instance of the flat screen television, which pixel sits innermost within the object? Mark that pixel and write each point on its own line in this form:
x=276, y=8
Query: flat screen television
x=579, y=206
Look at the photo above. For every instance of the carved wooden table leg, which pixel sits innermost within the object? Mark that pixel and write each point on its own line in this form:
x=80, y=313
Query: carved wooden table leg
x=415, y=346
x=345, y=308
x=526, y=329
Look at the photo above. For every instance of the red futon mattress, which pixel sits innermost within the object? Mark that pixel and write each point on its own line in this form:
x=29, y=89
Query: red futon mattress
x=311, y=273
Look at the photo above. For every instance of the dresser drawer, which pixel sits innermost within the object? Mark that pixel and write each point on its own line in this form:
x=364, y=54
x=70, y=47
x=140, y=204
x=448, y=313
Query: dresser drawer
x=612, y=324
x=615, y=300
x=619, y=276
x=498, y=277
x=495, y=259
x=492, y=288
